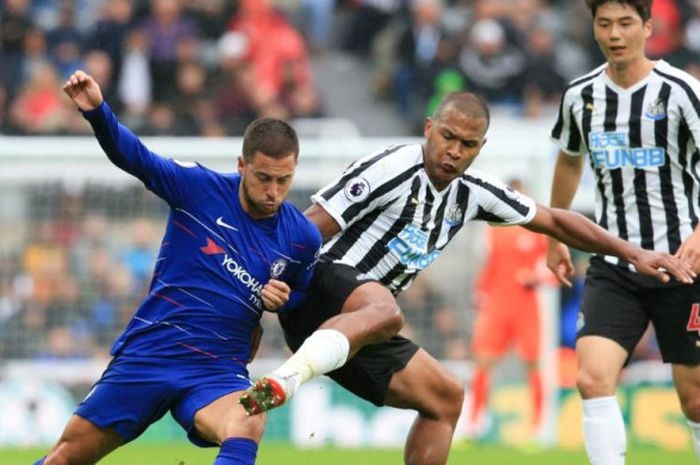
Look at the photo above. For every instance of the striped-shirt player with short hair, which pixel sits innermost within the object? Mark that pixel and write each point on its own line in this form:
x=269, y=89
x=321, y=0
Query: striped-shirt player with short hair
x=636, y=122
x=395, y=226
x=641, y=143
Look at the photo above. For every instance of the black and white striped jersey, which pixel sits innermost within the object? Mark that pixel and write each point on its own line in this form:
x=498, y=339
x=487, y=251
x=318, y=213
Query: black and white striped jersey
x=641, y=144
x=394, y=222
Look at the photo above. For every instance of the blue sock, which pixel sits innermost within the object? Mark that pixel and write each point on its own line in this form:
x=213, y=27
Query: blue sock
x=40, y=461
x=237, y=451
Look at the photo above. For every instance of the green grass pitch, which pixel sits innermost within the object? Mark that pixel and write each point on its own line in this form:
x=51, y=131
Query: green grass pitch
x=281, y=454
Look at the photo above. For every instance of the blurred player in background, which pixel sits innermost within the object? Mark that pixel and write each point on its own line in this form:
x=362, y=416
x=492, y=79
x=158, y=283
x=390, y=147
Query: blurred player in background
x=637, y=121
x=232, y=249
x=386, y=218
x=508, y=313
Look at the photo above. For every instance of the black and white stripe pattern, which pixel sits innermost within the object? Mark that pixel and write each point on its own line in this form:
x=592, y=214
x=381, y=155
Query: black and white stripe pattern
x=641, y=143
x=394, y=222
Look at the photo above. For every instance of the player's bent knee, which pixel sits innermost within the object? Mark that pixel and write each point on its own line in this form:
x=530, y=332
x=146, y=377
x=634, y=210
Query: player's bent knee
x=454, y=398
x=60, y=455
x=446, y=399
x=691, y=408
x=392, y=320
x=251, y=427
x=594, y=384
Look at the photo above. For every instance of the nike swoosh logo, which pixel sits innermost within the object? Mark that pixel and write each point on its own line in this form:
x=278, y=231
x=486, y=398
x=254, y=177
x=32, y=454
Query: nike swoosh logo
x=220, y=222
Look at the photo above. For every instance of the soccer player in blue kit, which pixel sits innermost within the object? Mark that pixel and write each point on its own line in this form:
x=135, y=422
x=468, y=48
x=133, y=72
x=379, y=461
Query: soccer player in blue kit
x=232, y=249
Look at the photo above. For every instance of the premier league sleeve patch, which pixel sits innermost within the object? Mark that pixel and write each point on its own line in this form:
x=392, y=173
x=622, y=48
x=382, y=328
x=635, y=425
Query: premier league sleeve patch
x=357, y=189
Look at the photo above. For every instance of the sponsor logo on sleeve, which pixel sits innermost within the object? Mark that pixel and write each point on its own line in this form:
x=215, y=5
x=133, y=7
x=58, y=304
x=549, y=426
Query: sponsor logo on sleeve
x=357, y=189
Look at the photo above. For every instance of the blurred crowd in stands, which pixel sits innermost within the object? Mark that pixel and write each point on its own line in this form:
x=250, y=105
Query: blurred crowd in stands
x=208, y=67
x=519, y=54
x=170, y=67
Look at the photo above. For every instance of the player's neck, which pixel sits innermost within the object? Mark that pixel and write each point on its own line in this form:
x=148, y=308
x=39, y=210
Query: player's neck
x=628, y=74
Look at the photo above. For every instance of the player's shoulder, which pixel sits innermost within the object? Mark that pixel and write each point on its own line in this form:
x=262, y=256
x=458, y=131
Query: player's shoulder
x=487, y=186
x=478, y=178
x=574, y=86
x=384, y=165
x=197, y=169
x=299, y=225
x=401, y=154
x=676, y=77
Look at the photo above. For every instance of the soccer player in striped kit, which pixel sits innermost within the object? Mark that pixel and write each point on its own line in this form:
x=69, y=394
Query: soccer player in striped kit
x=232, y=249
x=636, y=121
x=386, y=218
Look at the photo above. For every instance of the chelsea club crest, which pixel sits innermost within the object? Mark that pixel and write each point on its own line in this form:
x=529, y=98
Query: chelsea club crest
x=278, y=267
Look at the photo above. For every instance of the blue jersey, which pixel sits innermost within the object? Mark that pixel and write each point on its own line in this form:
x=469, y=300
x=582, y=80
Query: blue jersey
x=205, y=297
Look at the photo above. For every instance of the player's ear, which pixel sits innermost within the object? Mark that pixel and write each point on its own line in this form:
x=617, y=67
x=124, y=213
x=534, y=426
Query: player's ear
x=428, y=126
x=241, y=164
x=648, y=28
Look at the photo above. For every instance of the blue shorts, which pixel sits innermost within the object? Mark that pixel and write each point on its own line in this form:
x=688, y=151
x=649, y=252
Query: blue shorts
x=135, y=392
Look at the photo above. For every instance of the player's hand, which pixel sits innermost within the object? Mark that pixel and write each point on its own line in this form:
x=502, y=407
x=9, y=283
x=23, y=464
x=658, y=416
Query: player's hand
x=663, y=266
x=83, y=90
x=275, y=294
x=689, y=251
x=559, y=261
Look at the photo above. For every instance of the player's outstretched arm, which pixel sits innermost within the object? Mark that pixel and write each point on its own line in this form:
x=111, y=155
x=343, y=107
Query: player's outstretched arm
x=567, y=176
x=122, y=147
x=578, y=231
x=83, y=90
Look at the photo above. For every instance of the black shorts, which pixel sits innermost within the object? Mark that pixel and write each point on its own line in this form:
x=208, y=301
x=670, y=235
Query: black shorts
x=619, y=304
x=369, y=372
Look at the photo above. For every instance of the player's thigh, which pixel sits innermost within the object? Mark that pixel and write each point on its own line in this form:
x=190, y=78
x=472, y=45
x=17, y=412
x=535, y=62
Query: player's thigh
x=335, y=289
x=612, y=307
x=369, y=294
x=426, y=386
x=600, y=361
x=369, y=372
x=83, y=442
x=675, y=313
x=208, y=408
x=225, y=418
x=132, y=393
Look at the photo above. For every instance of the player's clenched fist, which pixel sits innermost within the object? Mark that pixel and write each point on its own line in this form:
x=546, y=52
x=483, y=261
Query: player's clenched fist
x=83, y=90
x=275, y=294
